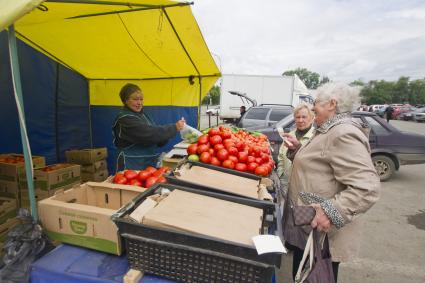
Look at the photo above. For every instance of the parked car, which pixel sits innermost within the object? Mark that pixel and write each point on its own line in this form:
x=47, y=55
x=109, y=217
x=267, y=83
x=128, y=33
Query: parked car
x=265, y=115
x=419, y=115
x=213, y=111
x=391, y=147
x=407, y=115
x=398, y=110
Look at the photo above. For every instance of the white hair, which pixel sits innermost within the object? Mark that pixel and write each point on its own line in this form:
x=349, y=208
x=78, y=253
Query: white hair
x=346, y=96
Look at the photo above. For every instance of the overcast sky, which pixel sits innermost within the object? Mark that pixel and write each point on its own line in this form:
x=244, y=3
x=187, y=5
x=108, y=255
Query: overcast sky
x=342, y=39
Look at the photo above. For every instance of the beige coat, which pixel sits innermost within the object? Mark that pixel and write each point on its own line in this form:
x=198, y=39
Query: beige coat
x=283, y=163
x=336, y=165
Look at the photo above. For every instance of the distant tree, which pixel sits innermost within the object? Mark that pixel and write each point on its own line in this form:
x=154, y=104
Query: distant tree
x=416, y=92
x=213, y=96
x=310, y=79
x=357, y=83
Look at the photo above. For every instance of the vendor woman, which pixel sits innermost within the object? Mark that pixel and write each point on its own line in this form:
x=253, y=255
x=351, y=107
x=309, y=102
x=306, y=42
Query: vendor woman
x=136, y=136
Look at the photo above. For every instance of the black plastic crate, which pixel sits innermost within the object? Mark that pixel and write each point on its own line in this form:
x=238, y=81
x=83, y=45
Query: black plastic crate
x=188, y=257
x=173, y=180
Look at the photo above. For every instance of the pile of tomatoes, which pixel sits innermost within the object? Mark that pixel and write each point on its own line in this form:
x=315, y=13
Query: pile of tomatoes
x=54, y=167
x=144, y=178
x=238, y=150
x=12, y=159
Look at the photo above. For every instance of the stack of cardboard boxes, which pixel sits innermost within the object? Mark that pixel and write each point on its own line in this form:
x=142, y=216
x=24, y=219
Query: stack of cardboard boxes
x=12, y=172
x=93, y=163
x=50, y=179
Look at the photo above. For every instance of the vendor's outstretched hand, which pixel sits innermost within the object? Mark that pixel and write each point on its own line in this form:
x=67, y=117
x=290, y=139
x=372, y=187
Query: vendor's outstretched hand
x=180, y=124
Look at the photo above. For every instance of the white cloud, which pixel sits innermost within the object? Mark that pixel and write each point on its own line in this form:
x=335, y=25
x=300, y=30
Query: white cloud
x=345, y=40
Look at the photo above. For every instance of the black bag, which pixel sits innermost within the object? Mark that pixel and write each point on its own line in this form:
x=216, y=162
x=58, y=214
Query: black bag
x=303, y=215
x=319, y=268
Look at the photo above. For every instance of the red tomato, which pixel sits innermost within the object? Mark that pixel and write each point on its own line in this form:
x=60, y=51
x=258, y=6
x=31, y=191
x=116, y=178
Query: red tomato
x=228, y=143
x=150, y=181
x=228, y=164
x=164, y=169
x=226, y=135
x=259, y=160
x=261, y=171
x=219, y=146
x=215, y=161
x=241, y=167
x=143, y=175
x=215, y=140
x=213, y=131
x=233, y=150
x=222, y=154
x=192, y=149
x=161, y=180
x=135, y=182
x=203, y=139
x=150, y=169
x=130, y=174
x=243, y=156
x=202, y=148
x=252, y=166
x=120, y=180
x=211, y=151
x=117, y=176
x=205, y=157
x=240, y=145
x=250, y=159
x=157, y=173
x=265, y=157
x=233, y=158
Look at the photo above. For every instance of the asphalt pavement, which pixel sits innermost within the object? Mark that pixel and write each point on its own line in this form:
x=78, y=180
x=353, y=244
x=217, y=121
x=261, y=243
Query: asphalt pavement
x=393, y=242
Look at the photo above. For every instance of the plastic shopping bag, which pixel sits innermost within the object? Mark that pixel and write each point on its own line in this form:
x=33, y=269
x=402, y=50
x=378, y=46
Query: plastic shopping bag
x=189, y=134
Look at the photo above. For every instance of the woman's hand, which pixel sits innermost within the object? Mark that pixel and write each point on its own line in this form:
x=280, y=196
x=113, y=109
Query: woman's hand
x=290, y=141
x=321, y=220
x=180, y=124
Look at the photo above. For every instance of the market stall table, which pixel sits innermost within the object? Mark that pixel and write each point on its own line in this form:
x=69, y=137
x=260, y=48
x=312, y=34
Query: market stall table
x=68, y=264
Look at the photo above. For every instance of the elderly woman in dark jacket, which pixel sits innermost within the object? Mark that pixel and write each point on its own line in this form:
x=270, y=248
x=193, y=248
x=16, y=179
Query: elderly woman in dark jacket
x=334, y=173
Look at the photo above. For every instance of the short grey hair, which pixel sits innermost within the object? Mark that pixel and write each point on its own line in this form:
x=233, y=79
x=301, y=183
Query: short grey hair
x=303, y=105
x=346, y=97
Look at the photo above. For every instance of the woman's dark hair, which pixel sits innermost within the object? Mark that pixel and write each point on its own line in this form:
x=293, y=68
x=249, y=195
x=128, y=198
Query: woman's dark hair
x=127, y=90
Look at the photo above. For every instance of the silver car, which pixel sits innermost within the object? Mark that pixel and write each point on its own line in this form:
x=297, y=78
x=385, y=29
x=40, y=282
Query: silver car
x=419, y=115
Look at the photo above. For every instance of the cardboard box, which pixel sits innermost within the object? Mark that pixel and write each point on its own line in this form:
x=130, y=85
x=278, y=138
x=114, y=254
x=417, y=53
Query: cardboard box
x=10, y=171
x=100, y=165
x=9, y=189
x=86, y=156
x=82, y=215
x=39, y=195
x=98, y=176
x=8, y=209
x=53, y=177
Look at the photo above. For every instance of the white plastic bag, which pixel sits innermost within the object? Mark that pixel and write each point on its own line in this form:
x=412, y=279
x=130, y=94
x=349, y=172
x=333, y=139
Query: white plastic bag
x=189, y=134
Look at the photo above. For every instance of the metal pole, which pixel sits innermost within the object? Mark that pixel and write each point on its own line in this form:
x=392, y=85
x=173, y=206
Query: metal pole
x=16, y=81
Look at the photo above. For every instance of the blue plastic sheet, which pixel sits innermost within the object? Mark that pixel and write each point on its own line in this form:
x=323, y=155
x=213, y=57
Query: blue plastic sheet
x=68, y=264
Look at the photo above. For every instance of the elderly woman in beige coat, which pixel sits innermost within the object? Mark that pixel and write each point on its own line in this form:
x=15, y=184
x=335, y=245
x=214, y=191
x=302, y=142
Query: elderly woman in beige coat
x=334, y=173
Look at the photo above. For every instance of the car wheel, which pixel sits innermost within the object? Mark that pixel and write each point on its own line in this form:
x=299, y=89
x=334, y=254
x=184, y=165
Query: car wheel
x=384, y=166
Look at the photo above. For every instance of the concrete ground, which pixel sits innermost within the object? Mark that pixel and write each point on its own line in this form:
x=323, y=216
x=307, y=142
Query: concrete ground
x=393, y=242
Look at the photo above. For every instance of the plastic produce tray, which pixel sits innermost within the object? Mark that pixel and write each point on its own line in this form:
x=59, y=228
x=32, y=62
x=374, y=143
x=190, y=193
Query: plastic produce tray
x=188, y=257
x=173, y=180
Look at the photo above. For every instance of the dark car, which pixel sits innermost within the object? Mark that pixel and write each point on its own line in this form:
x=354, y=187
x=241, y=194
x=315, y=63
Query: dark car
x=265, y=115
x=391, y=147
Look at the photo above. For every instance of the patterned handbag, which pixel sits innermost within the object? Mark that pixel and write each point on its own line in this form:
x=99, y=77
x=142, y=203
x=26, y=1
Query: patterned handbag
x=303, y=215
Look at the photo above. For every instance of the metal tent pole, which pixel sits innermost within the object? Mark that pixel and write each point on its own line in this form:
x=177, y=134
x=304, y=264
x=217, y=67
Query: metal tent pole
x=17, y=89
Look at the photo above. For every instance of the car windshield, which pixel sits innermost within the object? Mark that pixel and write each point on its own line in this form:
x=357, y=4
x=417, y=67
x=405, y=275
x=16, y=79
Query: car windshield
x=285, y=121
